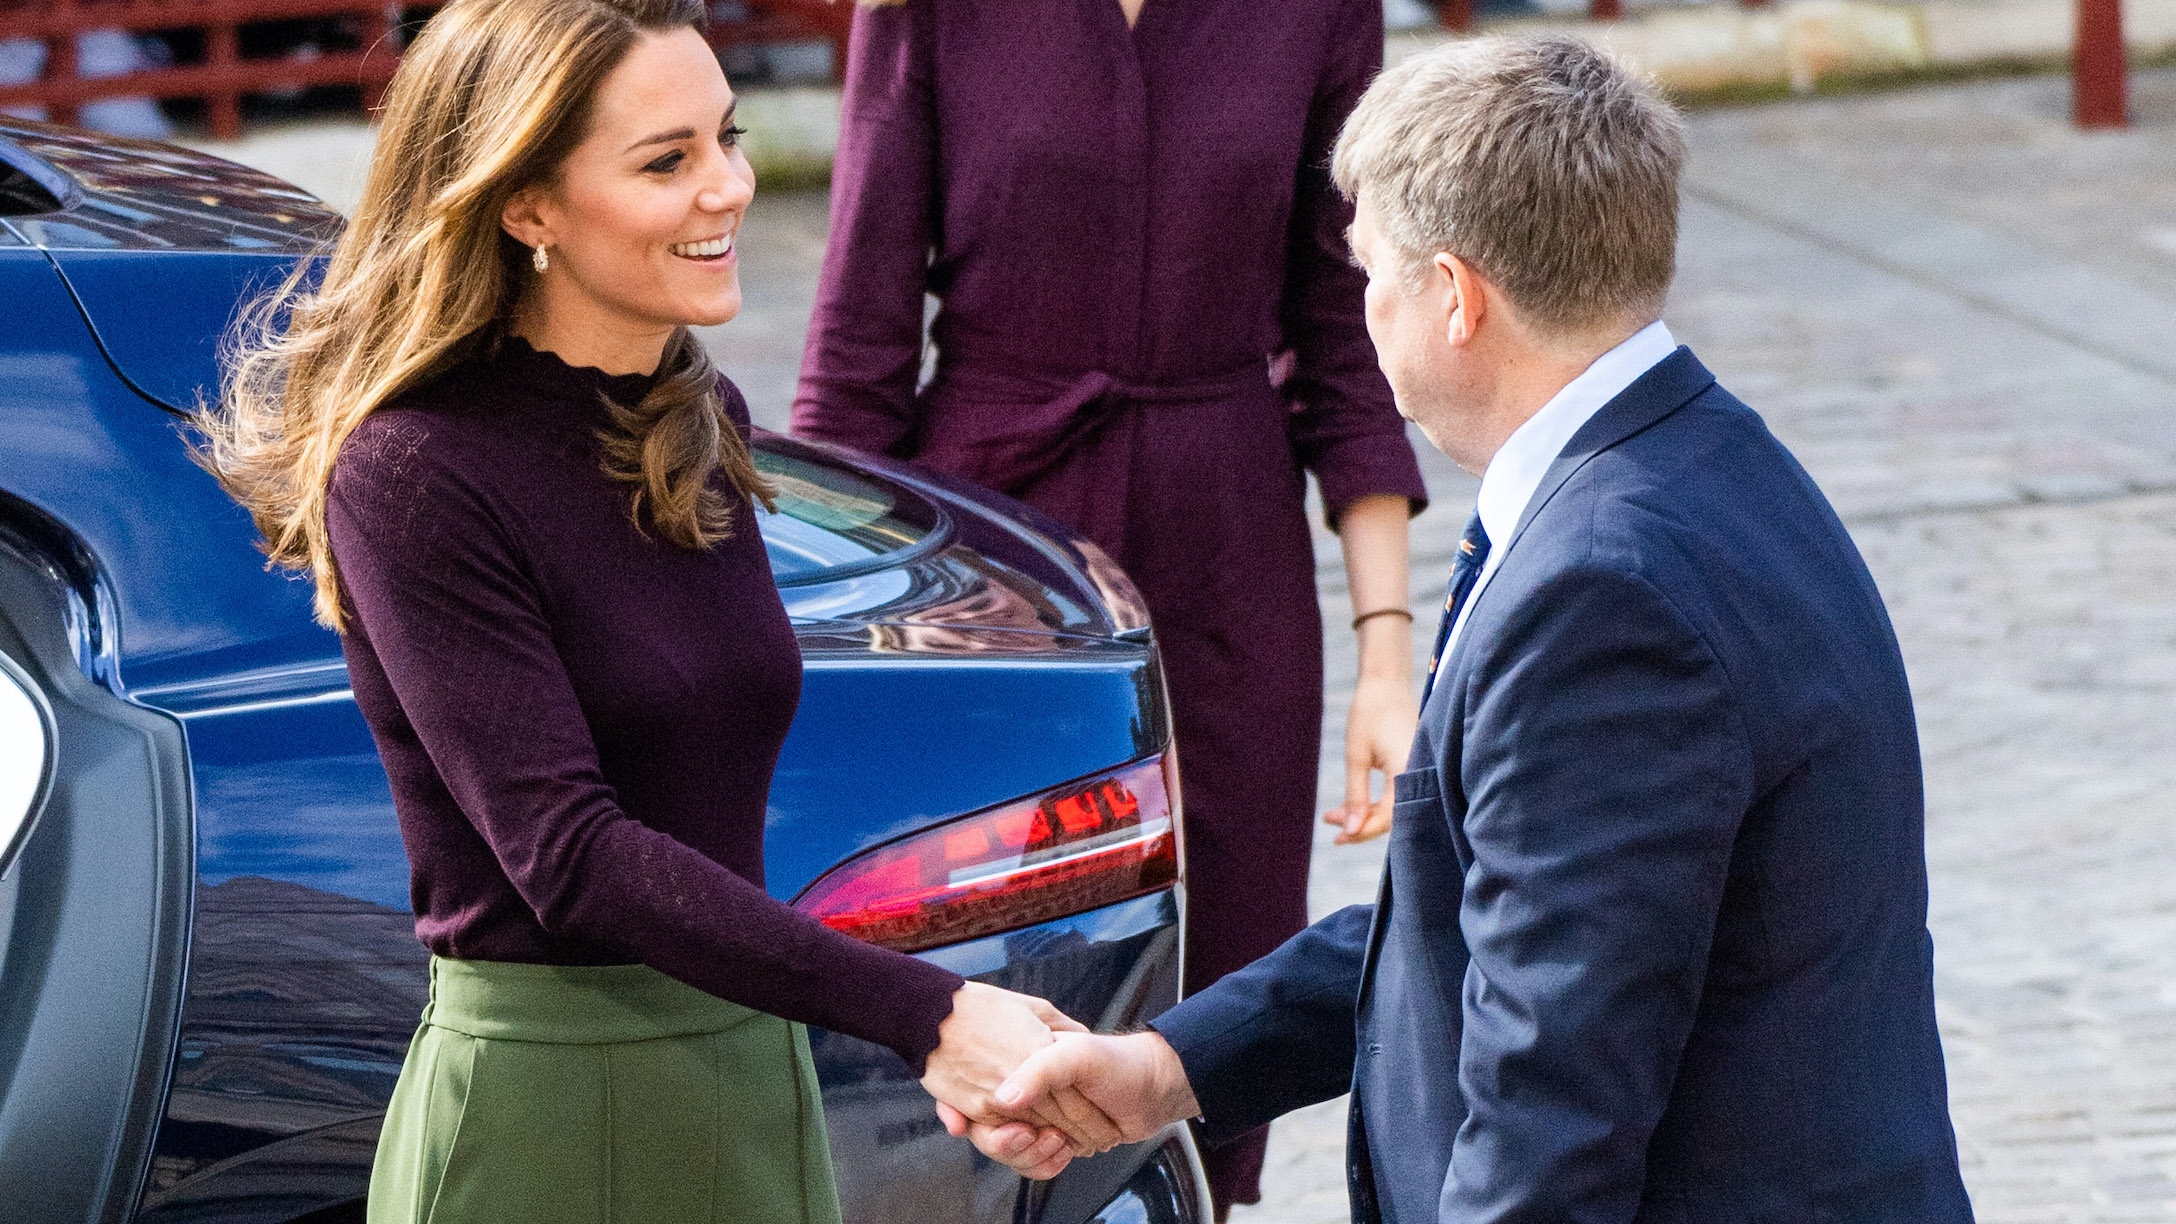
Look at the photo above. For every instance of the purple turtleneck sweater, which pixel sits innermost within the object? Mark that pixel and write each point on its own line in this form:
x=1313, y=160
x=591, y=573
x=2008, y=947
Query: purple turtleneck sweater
x=580, y=720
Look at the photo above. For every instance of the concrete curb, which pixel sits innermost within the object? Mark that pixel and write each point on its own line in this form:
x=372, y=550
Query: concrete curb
x=1799, y=42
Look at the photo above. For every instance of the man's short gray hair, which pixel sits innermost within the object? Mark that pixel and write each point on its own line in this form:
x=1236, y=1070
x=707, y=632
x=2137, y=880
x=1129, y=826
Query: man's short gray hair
x=1540, y=161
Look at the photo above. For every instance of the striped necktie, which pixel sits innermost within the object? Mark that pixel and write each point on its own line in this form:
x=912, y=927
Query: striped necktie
x=1465, y=570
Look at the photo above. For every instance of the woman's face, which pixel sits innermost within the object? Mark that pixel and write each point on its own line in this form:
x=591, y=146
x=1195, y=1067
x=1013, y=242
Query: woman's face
x=641, y=219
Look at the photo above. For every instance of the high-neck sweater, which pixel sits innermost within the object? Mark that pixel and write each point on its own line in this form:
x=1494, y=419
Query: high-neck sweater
x=579, y=718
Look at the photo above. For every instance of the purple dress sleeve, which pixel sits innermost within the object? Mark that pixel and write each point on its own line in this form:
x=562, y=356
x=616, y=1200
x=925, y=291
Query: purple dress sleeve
x=865, y=342
x=440, y=591
x=1344, y=426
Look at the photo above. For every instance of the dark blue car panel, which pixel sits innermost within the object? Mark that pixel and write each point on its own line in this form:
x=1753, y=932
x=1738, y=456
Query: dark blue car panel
x=197, y=296
x=192, y=595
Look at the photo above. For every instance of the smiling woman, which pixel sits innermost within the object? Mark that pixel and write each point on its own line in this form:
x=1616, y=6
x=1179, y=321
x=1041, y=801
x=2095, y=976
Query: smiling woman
x=525, y=497
x=635, y=232
x=596, y=131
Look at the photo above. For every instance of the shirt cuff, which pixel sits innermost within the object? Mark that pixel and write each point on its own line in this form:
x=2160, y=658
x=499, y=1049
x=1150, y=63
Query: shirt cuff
x=1367, y=465
x=1210, y=1038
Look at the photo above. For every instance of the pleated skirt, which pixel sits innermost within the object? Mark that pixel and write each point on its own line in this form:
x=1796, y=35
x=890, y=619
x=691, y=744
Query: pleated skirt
x=600, y=1095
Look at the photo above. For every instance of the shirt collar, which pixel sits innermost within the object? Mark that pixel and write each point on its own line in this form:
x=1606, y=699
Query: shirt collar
x=1517, y=468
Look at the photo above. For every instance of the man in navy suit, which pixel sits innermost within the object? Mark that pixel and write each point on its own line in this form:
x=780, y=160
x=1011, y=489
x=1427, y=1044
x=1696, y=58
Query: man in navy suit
x=1651, y=943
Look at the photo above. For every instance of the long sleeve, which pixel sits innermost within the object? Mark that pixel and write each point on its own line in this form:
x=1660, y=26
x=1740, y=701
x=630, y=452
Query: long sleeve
x=444, y=600
x=1344, y=427
x=1606, y=769
x=865, y=338
x=1277, y=1035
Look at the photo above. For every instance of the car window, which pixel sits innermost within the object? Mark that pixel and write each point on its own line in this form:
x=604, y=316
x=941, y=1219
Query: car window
x=139, y=196
x=833, y=522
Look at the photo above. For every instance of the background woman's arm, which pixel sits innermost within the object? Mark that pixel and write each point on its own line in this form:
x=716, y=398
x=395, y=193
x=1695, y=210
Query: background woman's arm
x=1379, y=727
x=1346, y=428
x=865, y=339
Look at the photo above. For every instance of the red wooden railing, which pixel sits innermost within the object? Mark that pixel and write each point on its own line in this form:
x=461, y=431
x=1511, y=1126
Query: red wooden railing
x=2099, y=85
x=223, y=76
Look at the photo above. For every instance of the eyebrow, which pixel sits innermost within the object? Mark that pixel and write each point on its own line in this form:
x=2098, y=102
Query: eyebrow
x=679, y=134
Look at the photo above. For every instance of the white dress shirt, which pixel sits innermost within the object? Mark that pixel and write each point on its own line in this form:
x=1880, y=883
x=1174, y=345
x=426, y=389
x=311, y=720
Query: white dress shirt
x=1515, y=473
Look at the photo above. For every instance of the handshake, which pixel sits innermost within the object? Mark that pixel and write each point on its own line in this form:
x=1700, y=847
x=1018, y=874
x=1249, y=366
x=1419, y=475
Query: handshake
x=1033, y=1088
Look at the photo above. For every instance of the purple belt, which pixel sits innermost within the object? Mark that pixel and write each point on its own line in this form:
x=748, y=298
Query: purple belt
x=1009, y=430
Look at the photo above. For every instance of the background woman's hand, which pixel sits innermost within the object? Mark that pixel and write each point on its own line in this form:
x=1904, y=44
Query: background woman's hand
x=1378, y=735
x=1379, y=727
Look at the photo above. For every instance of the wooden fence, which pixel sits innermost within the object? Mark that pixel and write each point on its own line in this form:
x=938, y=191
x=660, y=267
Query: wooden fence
x=222, y=75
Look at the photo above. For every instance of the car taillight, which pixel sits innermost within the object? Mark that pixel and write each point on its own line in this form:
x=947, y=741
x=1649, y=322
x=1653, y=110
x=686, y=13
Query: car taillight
x=1087, y=844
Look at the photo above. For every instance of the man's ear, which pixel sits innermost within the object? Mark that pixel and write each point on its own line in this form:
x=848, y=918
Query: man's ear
x=1465, y=300
x=523, y=218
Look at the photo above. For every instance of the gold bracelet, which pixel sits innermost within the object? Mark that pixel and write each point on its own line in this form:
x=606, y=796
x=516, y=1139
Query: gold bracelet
x=1368, y=616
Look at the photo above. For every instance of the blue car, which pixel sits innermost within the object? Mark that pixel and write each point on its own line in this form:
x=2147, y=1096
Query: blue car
x=208, y=976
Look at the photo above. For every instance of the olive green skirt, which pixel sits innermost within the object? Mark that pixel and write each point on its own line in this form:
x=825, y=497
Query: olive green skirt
x=600, y=1095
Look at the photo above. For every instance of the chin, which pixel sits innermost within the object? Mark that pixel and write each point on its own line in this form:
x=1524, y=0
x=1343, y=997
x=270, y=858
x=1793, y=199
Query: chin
x=712, y=313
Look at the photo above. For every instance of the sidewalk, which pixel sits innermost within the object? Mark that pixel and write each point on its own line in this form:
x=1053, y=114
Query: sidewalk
x=1708, y=47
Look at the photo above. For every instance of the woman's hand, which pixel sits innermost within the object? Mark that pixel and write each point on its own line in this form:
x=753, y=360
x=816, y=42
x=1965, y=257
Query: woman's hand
x=1379, y=727
x=988, y=1035
x=1378, y=735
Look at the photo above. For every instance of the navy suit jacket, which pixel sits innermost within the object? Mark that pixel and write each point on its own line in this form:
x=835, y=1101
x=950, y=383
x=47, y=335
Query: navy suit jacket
x=1652, y=943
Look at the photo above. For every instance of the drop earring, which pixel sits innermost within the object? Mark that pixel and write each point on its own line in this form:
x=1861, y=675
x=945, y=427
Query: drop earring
x=540, y=257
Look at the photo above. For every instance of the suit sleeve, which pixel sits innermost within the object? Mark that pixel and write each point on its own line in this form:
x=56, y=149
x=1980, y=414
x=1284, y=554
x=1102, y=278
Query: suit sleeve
x=865, y=338
x=1344, y=427
x=1606, y=772
x=440, y=592
x=1277, y=1035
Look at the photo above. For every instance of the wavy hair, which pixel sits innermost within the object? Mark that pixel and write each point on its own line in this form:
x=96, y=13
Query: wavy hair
x=491, y=98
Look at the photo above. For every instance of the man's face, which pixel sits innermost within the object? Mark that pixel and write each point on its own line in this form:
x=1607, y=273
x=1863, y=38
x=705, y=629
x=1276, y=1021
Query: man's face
x=1406, y=323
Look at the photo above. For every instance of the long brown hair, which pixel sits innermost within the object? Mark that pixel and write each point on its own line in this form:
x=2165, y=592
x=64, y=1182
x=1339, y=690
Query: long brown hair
x=491, y=98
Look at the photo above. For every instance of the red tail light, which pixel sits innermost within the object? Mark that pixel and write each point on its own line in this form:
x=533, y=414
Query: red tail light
x=1087, y=844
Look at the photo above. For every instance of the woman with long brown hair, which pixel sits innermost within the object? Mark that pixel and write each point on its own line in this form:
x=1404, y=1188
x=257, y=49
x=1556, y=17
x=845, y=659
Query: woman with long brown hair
x=525, y=497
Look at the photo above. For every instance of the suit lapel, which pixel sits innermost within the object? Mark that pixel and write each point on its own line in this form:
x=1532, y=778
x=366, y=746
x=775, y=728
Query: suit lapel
x=1669, y=385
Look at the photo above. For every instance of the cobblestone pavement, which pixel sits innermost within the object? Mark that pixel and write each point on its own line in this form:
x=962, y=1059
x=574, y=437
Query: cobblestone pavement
x=1962, y=316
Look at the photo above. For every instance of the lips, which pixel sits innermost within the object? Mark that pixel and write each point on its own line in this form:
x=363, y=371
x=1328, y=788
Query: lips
x=709, y=248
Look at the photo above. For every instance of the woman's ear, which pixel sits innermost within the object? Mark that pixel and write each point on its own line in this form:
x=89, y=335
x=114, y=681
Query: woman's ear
x=524, y=219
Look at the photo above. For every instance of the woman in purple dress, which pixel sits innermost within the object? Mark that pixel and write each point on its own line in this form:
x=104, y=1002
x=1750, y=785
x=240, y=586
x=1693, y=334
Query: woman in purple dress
x=1147, y=326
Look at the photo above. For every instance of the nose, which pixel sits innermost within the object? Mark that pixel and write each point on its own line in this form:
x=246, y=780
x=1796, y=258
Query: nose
x=728, y=186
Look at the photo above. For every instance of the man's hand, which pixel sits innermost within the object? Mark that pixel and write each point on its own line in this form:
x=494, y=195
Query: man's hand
x=989, y=1034
x=1378, y=736
x=1135, y=1083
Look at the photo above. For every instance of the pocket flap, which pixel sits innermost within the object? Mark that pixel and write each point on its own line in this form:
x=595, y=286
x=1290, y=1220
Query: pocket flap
x=1416, y=784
